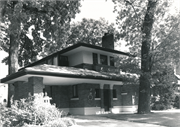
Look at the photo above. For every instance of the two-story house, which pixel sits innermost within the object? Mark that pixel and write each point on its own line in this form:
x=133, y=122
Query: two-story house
x=81, y=79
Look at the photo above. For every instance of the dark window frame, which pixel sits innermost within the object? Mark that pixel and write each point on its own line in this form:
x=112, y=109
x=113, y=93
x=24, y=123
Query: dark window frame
x=63, y=60
x=114, y=93
x=95, y=58
x=105, y=61
x=111, y=61
x=97, y=95
x=75, y=91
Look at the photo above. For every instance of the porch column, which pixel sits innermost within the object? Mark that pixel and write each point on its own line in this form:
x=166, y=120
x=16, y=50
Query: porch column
x=102, y=96
x=111, y=97
x=17, y=86
x=36, y=85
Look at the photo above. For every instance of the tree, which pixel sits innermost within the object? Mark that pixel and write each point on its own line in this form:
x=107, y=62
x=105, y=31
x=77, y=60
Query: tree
x=46, y=17
x=152, y=34
x=163, y=91
x=88, y=31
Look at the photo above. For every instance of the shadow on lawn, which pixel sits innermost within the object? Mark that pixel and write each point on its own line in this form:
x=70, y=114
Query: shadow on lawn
x=170, y=119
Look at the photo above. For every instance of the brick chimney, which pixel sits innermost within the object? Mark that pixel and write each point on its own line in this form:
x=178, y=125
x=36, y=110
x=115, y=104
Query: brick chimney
x=108, y=41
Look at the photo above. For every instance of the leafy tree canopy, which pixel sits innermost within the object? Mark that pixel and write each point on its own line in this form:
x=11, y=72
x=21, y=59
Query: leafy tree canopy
x=152, y=33
x=44, y=19
x=88, y=31
x=165, y=42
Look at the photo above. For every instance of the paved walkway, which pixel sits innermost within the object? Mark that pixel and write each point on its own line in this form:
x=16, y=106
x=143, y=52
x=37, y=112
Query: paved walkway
x=101, y=121
x=169, y=118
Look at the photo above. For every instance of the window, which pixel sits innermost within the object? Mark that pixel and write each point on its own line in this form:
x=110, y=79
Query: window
x=111, y=61
x=97, y=93
x=114, y=93
x=63, y=61
x=103, y=59
x=95, y=58
x=75, y=93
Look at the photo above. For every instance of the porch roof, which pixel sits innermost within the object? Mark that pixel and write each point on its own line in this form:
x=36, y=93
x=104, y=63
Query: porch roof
x=58, y=75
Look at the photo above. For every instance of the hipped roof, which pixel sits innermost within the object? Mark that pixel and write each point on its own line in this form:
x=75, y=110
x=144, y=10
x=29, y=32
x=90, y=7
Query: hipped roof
x=66, y=75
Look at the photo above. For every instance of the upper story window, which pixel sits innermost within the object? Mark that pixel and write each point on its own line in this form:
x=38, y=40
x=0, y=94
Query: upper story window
x=103, y=59
x=95, y=58
x=63, y=61
x=111, y=61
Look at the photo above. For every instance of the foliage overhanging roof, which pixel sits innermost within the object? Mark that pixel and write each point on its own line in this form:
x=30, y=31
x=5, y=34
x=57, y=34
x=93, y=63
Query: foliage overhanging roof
x=52, y=70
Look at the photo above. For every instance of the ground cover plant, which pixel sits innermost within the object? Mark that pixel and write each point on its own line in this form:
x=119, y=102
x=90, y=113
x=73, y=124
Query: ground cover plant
x=33, y=112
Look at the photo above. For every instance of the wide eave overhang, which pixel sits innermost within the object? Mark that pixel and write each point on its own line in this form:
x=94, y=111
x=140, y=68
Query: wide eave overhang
x=52, y=76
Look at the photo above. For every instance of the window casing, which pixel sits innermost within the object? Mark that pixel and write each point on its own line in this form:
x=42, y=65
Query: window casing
x=103, y=60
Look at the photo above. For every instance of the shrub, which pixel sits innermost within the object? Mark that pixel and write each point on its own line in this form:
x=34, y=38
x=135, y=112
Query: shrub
x=162, y=102
x=176, y=102
x=33, y=112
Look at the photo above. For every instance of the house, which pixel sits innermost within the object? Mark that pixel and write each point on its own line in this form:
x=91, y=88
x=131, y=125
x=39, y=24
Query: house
x=81, y=79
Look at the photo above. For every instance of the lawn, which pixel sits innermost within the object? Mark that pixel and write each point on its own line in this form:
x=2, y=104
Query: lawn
x=170, y=118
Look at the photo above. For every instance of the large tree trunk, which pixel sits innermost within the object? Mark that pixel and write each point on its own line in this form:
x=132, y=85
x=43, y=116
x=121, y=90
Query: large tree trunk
x=144, y=88
x=13, y=64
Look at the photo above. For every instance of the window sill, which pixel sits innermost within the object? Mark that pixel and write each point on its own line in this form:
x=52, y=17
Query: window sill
x=74, y=98
x=115, y=99
x=123, y=93
x=97, y=98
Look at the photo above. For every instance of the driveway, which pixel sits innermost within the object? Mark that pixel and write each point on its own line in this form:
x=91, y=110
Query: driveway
x=168, y=118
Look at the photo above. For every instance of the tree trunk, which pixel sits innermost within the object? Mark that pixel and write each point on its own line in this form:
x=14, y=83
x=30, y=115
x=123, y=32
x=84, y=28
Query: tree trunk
x=13, y=64
x=144, y=88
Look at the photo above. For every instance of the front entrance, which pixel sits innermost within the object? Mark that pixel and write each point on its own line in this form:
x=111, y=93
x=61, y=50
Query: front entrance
x=106, y=100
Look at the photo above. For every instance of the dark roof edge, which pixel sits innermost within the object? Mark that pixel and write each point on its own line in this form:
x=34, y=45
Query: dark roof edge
x=13, y=76
x=76, y=46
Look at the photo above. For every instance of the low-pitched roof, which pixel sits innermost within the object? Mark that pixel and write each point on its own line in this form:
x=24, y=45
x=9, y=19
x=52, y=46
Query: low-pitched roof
x=78, y=45
x=50, y=73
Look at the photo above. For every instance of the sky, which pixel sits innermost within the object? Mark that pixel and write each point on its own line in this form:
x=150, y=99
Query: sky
x=90, y=9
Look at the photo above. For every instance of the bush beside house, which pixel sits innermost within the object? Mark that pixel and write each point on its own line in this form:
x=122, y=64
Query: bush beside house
x=32, y=112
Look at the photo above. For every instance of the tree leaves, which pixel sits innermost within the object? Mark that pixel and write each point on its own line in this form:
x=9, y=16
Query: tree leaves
x=48, y=17
x=160, y=32
x=165, y=33
x=88, y=31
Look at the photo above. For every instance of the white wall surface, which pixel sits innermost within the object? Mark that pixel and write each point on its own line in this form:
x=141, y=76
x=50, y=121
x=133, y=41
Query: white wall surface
x=75, y=59
x=87, y=57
